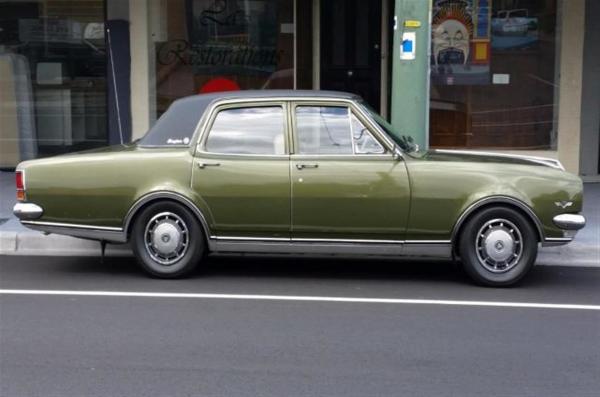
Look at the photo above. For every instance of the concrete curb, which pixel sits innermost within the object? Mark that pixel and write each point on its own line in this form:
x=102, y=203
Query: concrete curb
x=37, y=244
x=575, y=254
x=32, y=243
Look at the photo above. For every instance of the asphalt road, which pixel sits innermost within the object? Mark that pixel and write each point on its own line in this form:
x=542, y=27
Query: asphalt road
x=237, y=343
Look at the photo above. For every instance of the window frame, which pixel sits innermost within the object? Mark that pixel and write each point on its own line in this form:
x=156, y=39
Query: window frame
x=388, y=154
x=201, y=145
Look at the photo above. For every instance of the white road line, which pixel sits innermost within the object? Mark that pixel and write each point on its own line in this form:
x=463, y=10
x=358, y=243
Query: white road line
x=528, y=305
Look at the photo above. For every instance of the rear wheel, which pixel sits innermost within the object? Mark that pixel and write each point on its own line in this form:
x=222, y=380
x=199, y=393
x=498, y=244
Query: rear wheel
x=498, y=247
x=167, y=240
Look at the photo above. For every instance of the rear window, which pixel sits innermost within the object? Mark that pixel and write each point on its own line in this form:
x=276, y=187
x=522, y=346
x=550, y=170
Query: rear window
x=177, y=125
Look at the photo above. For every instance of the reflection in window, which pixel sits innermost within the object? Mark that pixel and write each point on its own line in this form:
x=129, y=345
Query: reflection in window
x=493, y=74
x=323, y=130
x=53, y=86
x=364, y=142
x=210, y=45
x=258, y=130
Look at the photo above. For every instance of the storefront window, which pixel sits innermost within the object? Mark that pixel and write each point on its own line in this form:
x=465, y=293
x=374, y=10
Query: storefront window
x=494, y=74
x=52, y=78
x=217, y=45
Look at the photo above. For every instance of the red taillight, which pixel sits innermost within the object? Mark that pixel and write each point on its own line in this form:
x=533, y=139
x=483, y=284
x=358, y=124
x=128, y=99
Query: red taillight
x=20, y=186
x=19, y=178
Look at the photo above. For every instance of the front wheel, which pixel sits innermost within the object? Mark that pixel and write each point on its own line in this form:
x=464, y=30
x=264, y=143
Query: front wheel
x=498, y=247
x=167, y=240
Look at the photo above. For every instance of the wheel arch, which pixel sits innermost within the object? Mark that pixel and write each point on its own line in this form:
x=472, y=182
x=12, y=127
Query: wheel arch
x=495, y=201
x=155, y=197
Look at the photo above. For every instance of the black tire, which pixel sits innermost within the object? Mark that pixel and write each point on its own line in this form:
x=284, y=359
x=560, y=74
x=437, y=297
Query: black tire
x=179, y=229
x=503, y=258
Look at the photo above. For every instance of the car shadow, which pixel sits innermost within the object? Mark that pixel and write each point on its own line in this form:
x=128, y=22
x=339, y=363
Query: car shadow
x=279, y=268
x=331, y=268
x=239, y=268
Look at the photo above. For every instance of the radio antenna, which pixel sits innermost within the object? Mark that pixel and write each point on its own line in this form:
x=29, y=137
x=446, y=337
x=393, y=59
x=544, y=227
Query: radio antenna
x=114, y=79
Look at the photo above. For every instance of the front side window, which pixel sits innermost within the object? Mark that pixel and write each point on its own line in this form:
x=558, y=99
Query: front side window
x=328, y=130
x=363, y=140
x=323, y=130
x=250, y=130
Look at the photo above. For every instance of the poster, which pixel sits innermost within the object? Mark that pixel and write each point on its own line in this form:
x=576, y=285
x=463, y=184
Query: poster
x=461, y=42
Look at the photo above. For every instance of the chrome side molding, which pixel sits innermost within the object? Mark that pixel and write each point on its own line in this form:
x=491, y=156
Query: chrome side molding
x=88, y=232
x=441, y=249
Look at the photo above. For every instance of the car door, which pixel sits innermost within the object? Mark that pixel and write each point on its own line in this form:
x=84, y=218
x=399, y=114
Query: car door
x=241, y=171
x=345, y=184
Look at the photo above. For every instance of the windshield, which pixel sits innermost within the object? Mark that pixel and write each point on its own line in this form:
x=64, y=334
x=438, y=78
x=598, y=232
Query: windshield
x=405, y=142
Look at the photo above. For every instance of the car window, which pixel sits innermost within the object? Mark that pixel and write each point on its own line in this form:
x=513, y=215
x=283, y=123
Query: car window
x=363, y=140
x=177, y=125
x=323, y=130
x=249, y=130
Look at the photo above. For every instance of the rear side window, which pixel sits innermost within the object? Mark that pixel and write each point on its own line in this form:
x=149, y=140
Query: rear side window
x=177, y=125
x=250, y=130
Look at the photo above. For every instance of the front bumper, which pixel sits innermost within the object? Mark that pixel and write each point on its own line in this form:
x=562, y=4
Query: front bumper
x=27, y=211
x=571, y=222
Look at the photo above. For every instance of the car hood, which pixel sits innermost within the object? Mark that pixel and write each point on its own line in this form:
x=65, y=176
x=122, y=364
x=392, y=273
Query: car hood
x=487, y=157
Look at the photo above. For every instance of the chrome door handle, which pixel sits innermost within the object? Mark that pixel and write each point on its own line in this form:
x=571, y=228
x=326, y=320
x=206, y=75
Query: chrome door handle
x=204, y=165
x=303, y=166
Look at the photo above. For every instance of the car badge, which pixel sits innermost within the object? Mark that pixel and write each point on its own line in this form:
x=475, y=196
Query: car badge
x=563, y=204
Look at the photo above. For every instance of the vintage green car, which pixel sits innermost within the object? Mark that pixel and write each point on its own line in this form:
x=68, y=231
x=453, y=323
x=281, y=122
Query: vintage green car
x=301, y=172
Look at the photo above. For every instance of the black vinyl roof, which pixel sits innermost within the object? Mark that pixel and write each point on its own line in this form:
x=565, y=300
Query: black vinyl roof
x=249, y=94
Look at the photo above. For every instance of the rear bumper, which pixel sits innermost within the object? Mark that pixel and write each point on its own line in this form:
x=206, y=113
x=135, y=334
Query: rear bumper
x=27, y=211
x=569, y=221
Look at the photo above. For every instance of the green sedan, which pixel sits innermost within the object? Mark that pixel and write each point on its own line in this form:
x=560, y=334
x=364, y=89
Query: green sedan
x=301, y=172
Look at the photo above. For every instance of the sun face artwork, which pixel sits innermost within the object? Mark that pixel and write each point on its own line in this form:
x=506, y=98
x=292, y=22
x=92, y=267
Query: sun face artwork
x=460, y=43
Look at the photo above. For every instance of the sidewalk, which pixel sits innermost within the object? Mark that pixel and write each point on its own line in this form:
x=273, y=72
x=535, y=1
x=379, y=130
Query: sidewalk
x=15, y=239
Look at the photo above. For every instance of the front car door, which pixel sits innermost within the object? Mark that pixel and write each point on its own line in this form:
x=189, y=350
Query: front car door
x=241, y=171
x=347, y=186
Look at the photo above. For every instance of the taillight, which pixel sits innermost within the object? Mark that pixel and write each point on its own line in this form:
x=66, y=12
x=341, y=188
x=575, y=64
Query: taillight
x=20, y=186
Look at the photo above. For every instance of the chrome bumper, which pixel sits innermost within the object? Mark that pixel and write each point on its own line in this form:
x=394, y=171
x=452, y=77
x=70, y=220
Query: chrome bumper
x=569, y=221
x=27, y=211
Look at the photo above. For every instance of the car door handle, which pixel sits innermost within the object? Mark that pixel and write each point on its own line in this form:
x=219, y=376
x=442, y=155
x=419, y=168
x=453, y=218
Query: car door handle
x=303, y=166
x=204, y=165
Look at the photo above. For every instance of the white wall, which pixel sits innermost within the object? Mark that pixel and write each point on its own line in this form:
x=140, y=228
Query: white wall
x=143, y=68
x=572, y=23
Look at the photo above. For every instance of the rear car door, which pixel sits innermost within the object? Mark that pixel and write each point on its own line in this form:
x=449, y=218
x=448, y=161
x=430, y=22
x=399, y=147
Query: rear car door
x=241, y=171
x=346, y=185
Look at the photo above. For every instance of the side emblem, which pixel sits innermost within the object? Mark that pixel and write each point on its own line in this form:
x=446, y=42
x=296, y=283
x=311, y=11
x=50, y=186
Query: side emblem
x=563, y=204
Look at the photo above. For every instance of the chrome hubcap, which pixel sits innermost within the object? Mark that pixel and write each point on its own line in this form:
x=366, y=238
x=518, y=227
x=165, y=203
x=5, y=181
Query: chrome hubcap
x=499, y=245
x=166, y=238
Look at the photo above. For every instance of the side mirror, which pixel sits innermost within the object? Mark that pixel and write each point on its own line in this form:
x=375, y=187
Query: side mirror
x=397, y=155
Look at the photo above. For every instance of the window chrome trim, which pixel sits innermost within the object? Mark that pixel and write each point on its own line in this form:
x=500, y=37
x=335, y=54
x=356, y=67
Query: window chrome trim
x=202, y=127
x=220, y=105
x=380, y=136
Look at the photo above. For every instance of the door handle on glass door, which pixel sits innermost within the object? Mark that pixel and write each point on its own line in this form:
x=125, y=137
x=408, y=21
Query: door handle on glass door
x=303, y=166
x=204, y=165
